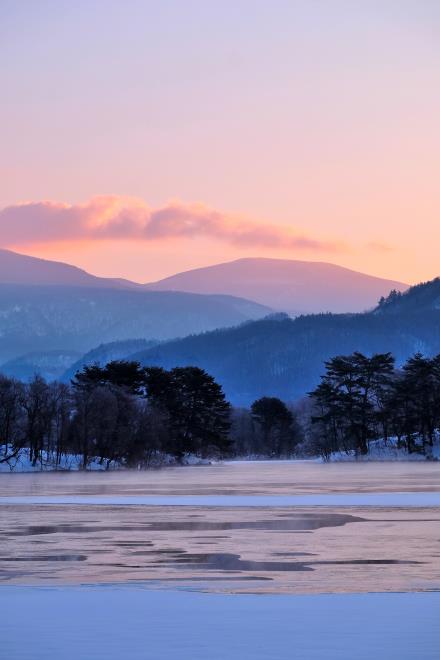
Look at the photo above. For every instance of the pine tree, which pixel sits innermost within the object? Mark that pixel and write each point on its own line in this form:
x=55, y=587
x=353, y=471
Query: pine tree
x=351, y=398
x=197, y=413
x=277, y=425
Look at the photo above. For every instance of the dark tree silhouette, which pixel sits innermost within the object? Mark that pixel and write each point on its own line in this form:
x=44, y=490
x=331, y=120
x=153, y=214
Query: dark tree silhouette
x=276, y=423
x=350, y=399
x=195, y=407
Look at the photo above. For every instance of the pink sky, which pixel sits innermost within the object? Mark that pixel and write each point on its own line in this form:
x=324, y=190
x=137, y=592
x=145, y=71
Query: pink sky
x=301, y=129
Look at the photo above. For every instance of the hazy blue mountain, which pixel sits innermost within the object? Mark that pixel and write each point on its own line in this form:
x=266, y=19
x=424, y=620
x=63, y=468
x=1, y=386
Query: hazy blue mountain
x=51, y=365
x=286, y=285
x=104, y=353
x=281, y=284
x=67, y=318
x=284, y=357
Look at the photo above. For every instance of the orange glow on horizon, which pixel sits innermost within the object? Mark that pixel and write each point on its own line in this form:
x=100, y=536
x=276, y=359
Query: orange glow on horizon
x=310, y=132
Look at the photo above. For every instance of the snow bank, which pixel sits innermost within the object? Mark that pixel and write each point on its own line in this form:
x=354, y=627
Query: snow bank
x=73, y=462
x=111, y=623
x=22, y=463
x=379, y=450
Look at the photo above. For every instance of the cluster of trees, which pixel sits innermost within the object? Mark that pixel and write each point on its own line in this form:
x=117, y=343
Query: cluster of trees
x=360, y=399
x=269, y=428
x=129, y=414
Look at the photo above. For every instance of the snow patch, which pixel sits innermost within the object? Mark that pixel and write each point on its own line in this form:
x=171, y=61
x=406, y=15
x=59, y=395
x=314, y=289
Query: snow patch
x=421, y=499
x=390, y=450
x=73, y=462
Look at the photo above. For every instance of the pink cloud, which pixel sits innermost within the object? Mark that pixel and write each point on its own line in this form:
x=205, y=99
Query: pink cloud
x=112, y=217
x=378, y=246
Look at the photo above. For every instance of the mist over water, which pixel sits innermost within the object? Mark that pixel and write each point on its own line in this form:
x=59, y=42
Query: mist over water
x=232, y=478
x=238, y=530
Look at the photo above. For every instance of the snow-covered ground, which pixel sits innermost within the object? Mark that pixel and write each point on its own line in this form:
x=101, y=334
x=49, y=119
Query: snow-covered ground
x=379, y=450
x=73, y=462
x=22, y=462
x=132, y=623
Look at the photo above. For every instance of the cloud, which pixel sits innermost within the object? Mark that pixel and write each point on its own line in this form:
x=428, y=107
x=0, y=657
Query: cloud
x=113, y=217
x=377, y=246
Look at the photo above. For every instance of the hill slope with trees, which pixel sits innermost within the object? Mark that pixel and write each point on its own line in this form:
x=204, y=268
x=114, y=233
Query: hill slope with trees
x=283, y=357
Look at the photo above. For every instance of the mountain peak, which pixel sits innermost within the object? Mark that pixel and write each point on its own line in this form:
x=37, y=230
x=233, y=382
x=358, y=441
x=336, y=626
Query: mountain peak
x=18, y=268
x=286, y=285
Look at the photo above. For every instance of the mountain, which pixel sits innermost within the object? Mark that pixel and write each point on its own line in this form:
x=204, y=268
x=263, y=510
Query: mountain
x=104, y=353
x=421, y=298
x=280, y=284
x=20, y=269
x=284, y=357
x=286, y=285
x=50, y=364
x=68, y=318
x=63, y=365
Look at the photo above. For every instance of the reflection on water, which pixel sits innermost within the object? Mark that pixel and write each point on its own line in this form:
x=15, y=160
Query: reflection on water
x=301, y=549
x=290, y=549
x=265, y=478
x=231, y=562
x=303, y=522
x=46, y=558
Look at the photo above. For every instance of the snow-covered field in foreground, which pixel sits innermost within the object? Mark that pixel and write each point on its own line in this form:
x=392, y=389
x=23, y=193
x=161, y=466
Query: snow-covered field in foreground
x=129, y=623
x=326, y=499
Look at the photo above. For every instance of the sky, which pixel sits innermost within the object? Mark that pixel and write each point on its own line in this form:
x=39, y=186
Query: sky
x=142, y=138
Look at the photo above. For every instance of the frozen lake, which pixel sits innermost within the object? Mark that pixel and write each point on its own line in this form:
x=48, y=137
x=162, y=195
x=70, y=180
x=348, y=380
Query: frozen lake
x=241, y=560
x=234, y=478
x=262, y=527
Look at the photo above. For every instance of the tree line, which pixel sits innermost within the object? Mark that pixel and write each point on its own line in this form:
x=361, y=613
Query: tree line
x=361, y=399
x=128, y=415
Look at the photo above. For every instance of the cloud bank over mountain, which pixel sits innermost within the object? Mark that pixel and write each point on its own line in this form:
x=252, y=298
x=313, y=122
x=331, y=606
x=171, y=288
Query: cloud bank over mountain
x=127, y=218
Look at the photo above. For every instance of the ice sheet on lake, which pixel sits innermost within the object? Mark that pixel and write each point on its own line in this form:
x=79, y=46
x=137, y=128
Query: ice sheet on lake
x=111, y=623
x=422, y=499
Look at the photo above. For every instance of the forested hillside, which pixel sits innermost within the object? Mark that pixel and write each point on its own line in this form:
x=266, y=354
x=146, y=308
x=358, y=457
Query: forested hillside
x=418, y=299
x=105, y=353
x=284, y=357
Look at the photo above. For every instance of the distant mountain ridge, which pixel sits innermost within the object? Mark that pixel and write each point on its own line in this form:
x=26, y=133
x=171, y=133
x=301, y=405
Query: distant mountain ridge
x=286, y=285
x=18, y=268
x=49, y=364
x=280, y=284
x=68, y=318
x=50, y=312
x=104, y=353
x=280, y=356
